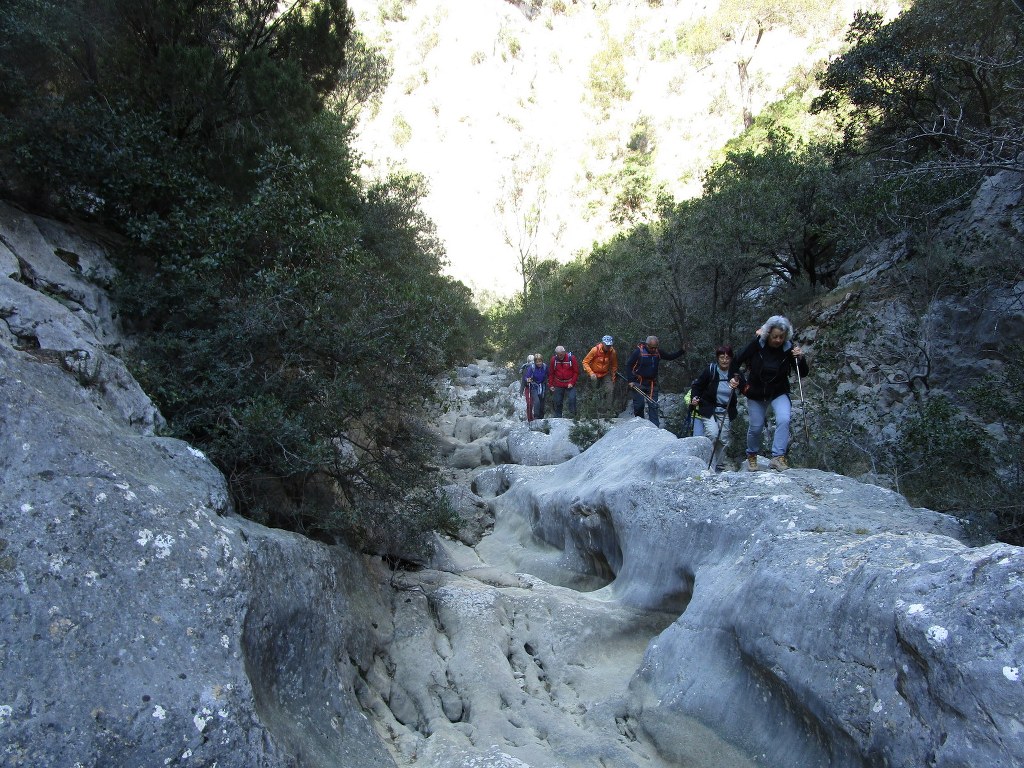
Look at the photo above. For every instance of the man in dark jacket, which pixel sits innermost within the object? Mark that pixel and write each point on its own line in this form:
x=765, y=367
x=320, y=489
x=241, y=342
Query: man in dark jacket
x=714, y=395
x=770, y=359
x=642, y=368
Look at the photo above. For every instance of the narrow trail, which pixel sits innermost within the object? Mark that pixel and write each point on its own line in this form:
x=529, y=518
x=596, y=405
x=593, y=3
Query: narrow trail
x=496, y=658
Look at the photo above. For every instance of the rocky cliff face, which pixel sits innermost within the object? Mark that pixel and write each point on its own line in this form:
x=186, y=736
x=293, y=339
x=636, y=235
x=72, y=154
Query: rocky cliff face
x=617, y=606
x=144, y=624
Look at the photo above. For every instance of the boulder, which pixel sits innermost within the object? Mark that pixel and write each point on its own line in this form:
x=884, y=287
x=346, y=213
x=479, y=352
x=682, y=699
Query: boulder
x=144, y=624
x=545, y=441
x=821, y=621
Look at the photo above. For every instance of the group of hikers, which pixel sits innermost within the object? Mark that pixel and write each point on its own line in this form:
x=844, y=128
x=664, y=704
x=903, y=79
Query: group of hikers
x=760, y=372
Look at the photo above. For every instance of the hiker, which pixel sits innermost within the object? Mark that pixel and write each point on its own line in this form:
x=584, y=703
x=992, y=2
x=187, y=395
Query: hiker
x=601, y=364
x=769, y=359
x=643, y=376
x=537, y=377
x=524, y=387
x=713, y=393
x=563, y=373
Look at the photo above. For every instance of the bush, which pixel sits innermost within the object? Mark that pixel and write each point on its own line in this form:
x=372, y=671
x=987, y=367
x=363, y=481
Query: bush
x=585, y=432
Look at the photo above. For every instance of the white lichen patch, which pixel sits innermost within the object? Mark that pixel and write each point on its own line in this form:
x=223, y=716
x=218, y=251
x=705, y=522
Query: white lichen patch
x=1011, y=673
x=57, y=563
x=186, y=583
x=225, y=641
x=159, y=712
x=144, y=537
x=915, y=609
x=196, y=452
x=26, y=508
x=163, y=544
x=153, y=489
x=877, y=707
x=203, y=717
x=204, y=552
x=6, y=712
x=100, y=498
x=90, y=578
x=936, y=635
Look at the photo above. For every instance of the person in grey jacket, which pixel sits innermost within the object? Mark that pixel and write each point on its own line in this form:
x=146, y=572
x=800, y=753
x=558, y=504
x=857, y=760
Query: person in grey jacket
x=713, y=394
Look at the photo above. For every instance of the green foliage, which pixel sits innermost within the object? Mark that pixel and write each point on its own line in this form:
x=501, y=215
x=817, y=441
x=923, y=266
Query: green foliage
x=636, y=196
x=913, y=91
x=941, y=458
x=191, y=93
x=585, y=432
x=998, y=398
x=606, y=82
x=289, y=320
x=402, y=131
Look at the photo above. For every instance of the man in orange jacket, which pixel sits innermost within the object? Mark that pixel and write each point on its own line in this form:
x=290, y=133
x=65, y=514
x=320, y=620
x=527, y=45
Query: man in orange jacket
x=601, y=364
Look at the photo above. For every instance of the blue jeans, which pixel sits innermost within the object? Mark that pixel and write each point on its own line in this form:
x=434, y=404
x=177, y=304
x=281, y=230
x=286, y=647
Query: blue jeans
x=757, y=410
x=558, y=396
x=652, y=408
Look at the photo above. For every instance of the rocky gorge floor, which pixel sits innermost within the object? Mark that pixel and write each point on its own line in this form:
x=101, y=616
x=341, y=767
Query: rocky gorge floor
x=500, y=657
x=629, y=607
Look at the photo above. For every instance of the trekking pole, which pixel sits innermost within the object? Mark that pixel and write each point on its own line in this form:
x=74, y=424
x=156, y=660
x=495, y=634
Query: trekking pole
x=803, y=404
x=718, y=438
x=637, y=389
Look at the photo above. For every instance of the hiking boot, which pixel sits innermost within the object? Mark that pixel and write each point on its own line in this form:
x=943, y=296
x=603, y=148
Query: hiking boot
x=752, y=462
x=778, y=463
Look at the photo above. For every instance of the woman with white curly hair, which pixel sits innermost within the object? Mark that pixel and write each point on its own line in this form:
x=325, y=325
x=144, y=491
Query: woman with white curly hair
x=770, y=359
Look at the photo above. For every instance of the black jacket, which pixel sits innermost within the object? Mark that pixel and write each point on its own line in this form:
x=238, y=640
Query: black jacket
x=705, y=387
x=769, y=369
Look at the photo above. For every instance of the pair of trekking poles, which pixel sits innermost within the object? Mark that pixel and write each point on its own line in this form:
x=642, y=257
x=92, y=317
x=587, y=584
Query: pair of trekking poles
x=716, y=444
x=654, y=404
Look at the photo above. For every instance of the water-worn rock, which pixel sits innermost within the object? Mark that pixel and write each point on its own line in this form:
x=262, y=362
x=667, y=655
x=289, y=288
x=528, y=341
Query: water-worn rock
x=143, y=624
x=823, y=622
x=543, y=442
x=805, y=618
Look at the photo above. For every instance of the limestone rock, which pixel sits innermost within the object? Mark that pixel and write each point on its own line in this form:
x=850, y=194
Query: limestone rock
x=143, y=623
x=822, y=622
x=51, y=304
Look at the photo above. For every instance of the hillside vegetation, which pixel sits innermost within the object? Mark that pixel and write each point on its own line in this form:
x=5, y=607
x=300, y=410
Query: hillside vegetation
x=287, y=318
x=919, y=118
x=546, y=125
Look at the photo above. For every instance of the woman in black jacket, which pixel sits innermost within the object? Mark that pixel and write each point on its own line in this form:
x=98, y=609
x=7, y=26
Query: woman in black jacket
x=713, y=393
x=770, y=359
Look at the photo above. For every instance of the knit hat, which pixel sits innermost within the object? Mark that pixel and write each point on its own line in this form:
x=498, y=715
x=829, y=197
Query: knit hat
x=608, y=341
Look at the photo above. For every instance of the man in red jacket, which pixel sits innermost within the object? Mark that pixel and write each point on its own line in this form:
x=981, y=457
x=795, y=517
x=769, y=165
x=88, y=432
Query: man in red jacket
x=563, y=372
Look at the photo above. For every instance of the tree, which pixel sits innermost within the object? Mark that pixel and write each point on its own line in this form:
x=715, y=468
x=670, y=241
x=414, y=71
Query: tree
x=126, y=104
x=934, y=92
x=741, y=26
x=288, y=319
x=780, y=207
x=637, y=198
x=523, y=216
